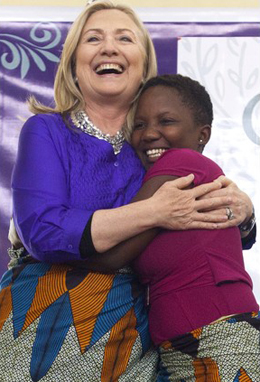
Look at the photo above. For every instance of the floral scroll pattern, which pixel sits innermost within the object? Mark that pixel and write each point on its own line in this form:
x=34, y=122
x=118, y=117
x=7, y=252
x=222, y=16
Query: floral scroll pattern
x=222, y=64
x=20, y=52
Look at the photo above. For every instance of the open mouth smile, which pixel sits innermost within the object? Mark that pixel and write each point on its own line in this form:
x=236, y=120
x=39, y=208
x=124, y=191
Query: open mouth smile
x=154, y=153
x=109, y=68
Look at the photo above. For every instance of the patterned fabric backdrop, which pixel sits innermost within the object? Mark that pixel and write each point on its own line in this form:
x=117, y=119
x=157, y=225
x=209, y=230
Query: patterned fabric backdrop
x=222, y=56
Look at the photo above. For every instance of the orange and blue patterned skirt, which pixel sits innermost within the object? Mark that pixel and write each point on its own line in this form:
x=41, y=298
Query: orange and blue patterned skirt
x=225, y=351
x=62, y=323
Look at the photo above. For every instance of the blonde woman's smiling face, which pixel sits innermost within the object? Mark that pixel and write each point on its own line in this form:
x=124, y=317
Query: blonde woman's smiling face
x=110, y=57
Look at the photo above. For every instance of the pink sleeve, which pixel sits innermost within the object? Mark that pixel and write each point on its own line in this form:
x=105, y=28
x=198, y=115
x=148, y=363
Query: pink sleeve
x=182, y=162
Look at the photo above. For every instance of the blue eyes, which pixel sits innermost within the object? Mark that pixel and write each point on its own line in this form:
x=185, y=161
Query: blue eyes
x=126, y=39
x=92, y=39
x=120, y=38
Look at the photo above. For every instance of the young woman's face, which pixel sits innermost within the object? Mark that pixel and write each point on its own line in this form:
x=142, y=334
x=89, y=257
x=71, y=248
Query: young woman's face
x=110, y=56
x=163, y=122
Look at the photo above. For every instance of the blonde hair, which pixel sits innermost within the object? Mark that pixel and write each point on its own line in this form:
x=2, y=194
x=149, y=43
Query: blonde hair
x=67, y=94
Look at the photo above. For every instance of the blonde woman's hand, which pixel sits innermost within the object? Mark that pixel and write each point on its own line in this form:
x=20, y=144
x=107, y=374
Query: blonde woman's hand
x=179, y=208
x=240, y=204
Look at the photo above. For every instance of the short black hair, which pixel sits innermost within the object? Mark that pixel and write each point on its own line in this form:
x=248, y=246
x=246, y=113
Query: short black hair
x=193, y=95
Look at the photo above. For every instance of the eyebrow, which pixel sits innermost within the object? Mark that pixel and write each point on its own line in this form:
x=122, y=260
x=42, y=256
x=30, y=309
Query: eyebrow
x=98, y=30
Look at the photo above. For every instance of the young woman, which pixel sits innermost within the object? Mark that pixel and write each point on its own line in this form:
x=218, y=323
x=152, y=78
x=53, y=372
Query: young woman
x=202, y=314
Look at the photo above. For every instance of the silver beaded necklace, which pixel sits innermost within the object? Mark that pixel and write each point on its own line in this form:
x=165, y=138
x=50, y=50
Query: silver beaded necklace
x=81, y=120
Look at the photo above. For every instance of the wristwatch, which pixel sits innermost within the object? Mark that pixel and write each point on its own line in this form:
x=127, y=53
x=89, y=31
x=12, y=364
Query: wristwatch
x=249, y=225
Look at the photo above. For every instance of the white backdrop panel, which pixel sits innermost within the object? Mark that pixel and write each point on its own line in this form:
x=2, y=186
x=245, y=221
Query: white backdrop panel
x=229, y=69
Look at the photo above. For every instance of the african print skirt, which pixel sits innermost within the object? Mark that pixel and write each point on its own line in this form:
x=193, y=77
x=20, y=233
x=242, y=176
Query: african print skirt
x=64, y=324
x=226, y=351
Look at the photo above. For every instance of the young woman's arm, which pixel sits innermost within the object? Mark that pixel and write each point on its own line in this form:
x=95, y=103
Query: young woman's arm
x=123, y=253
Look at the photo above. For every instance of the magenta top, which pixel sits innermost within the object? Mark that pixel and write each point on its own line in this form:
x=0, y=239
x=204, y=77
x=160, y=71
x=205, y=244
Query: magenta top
x=194, y=276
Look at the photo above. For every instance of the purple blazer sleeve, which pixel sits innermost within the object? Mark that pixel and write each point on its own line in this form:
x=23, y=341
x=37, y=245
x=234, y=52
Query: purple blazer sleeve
x=47, y=224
